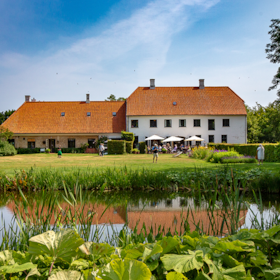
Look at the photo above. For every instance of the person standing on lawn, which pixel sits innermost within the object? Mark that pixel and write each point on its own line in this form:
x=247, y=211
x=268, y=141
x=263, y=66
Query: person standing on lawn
x=155, y=152
x=260, y=153
x=59, y=153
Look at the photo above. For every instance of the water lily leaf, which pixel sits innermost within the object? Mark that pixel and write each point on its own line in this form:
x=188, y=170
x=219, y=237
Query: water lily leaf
x=32, y=272
x=235, y=246
x=175, y=276
x=183, y=263
x=66, y=275
x=148, y=253
x=6, y=257
x=125, y=270
x=17, y=268
x=235, y=273
x=63, y=244
x=168, y=244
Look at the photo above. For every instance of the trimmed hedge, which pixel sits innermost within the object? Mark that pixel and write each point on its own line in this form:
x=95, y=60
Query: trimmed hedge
x=129, y=146
x=28, y=151
x=272, y=151
x=6, y=149
x=116, y=147
x=142, y=146
x=128, y=136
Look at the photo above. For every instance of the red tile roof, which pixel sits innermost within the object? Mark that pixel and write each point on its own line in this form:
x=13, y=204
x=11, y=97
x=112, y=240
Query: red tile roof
x=189, y=101
x=45, y=117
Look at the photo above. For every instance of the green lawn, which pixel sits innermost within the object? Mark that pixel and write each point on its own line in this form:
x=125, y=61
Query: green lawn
x=69, y=161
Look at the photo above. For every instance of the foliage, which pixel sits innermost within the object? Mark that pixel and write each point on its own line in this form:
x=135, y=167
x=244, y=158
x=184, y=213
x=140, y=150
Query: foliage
x=248, y=254
x=116, y=147
x=128, y=136
x=238, y=159
x=271, y=150
x=28, y=150
x=7, y=149
x=142, y=146
x=201, y=152
x=47, y=151
x=273, y=51
x=5, y=133
x=129, y=146
x=101, y=139
x=84, y=146
x=5, y=115
x=164, y=150
x=263, y=123
x=135, y=151
x=217, y=155
x=112, y=97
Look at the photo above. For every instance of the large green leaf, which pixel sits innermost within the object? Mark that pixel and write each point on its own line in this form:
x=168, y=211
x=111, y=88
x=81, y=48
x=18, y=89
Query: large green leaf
x=63, y=244
x=175, y=276
x=148, y=253
x=229, y=261
x=235, y=246
x=183, y=263
x=133, y=251
x=272, y=274
x=98, y=249
x=168, y=244
x=125, y=270
x=66, y=275
x=6, y=257
x=272, y=231
x=32, y=272
x=213, y=269
x=16, y=268
x=258, y=258
x=235, y=273
x=202, y=276
x=79, y=264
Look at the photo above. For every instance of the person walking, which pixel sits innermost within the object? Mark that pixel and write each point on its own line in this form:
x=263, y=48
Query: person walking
x=102, y=149
x=155, y=152
x=260, y=153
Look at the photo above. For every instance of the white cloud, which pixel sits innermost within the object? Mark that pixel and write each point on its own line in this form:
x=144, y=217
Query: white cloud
x=116, y=61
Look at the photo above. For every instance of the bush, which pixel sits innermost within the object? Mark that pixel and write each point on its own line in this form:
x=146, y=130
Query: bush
x=217, y=155
x=142, y=146
x=242, y=159
x=250, y=149
x=201, y=152
x=135, y=151
x=7, y=149
x=116, y=147
x=129, y=146
x=164, y=150
x=48, y=151
x=28, y=150
x=128, y=136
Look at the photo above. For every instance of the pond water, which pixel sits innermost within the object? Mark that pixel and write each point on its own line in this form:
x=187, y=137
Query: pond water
x=113, y=210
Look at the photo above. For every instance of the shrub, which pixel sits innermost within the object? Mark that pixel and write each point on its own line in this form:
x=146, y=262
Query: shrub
x=128, y=136
x=217, y=155
x=129, y=146
x=116, y=147
x=241, y=159
x=164, y=150
x=28, y=150
x=249, y=149
x=135, y=151
x=7, y=149
x=142, y=146
x=48, y=151
x=201, y=152
x=277, y=152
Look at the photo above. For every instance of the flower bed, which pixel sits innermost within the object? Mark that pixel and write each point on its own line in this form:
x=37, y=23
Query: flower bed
x=238, y=159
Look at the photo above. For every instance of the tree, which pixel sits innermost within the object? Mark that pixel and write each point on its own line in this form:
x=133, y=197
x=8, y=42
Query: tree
x=273, y=51
x=112, y=97
x=5, y=115
x=5, y=133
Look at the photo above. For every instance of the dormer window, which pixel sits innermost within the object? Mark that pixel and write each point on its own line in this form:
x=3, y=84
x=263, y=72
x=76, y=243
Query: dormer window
x=62, y=114
x=88, y=114
x=114, y=114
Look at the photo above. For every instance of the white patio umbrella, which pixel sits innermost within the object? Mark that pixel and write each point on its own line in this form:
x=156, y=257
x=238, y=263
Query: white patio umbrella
x=154, y=137
x=194, y=138
x=173, y=139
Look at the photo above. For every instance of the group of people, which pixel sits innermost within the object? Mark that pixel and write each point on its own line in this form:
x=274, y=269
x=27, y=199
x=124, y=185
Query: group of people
x=169, y=148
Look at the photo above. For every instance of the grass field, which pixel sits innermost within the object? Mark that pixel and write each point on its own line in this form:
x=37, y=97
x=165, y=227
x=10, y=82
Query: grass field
x=69, y=161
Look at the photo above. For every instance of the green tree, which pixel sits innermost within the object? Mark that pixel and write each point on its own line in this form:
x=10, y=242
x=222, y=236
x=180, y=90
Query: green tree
x=112, y=97
x=273, y=51
x=5, y=133
x=5, y=115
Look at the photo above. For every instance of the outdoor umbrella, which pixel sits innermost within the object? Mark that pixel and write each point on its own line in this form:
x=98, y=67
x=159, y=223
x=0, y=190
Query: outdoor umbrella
x=173, y=139
x=194, y=138
x=154, y=137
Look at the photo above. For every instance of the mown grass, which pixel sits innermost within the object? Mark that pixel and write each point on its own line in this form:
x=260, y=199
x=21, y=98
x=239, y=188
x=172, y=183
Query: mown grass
x=8, y=165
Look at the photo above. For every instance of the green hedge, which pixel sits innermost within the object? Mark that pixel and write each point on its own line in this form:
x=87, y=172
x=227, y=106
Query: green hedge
x=28, y=150
x=142, y=146
x=129, y=146
x=272, y=151
x=116, y=147
x=6, y=149
x=128, y=136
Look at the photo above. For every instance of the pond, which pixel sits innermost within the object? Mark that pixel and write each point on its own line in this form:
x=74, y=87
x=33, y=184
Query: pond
x=105, y=214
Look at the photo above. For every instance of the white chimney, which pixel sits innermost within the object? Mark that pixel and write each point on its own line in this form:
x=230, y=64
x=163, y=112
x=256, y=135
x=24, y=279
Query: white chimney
x=201, y=83
x=87, y=101
x=27, y=98
x=33, y=100
x=152, y=84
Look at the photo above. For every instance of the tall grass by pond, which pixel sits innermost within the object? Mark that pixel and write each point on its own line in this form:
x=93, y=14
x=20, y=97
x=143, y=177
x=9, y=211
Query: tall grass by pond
x=141, y=179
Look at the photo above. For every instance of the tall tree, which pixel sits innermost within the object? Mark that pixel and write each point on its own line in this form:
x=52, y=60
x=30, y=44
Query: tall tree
x=5, y=115
x=273, y=51
x=112, y=97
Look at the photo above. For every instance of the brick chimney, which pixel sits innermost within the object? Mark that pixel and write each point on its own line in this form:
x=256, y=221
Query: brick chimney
x=27, y=98
x=201, y=83
x=152, y=84
x=87, y=98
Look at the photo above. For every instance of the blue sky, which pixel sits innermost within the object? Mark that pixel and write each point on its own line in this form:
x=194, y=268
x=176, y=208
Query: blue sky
x=57, y=50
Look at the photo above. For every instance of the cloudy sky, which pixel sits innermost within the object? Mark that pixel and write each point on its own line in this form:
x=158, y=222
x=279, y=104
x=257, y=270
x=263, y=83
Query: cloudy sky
x=59, y=50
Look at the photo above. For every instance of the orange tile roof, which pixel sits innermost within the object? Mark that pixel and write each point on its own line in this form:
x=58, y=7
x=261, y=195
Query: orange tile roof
x=45, y=117
x=189, y=101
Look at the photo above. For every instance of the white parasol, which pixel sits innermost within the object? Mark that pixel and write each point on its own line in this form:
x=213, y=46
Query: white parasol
x=154, y=137
x=173, y=139
x=194, y=138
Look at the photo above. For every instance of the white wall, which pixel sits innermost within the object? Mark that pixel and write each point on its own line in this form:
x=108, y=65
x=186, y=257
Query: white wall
x=236, y=132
